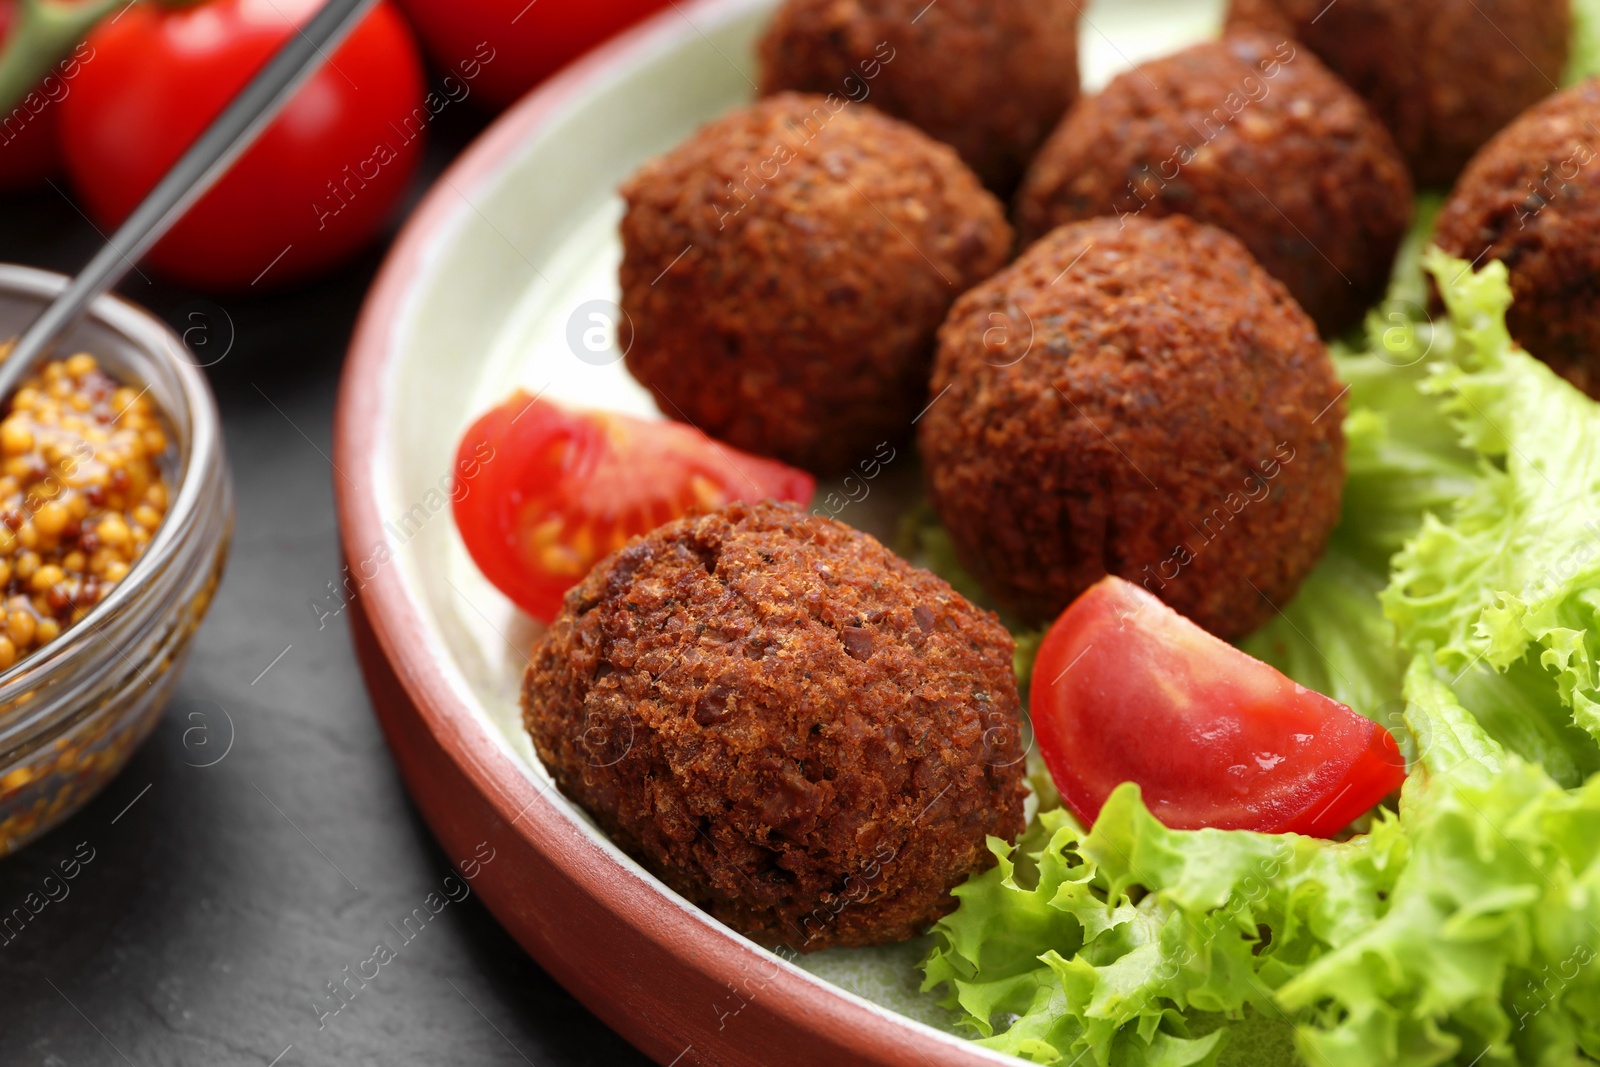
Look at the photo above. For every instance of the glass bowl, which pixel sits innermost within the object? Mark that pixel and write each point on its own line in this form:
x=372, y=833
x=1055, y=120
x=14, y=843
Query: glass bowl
x=72, y=712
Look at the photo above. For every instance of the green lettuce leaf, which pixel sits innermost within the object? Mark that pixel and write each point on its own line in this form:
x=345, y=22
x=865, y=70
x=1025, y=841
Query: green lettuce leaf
x=1523, y=711
x=1584, y=60
x=1512, y=573
x=1486, y=951
x=1463, y=931
x=1135, y=944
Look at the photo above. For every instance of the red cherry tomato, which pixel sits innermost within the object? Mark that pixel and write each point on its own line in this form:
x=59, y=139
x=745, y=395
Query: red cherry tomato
x=28, y=132
x=1127, y=690
x=527, y=42
x=309, y=193
x=543, y=492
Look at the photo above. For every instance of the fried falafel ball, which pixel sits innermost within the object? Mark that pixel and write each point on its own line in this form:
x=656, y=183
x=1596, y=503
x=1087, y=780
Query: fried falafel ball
x=989, y=77
x=1256, y=137
x=786, y=269
x=789, y=725
x=1531, y=199
x=1136, y=398
x=1442, y=75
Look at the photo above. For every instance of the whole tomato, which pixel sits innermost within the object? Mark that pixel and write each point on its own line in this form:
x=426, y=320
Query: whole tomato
x=316, y=185
x=28, y=132
x=528, y=41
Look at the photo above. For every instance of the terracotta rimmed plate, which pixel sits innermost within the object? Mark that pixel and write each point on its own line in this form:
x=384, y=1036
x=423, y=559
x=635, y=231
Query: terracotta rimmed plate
x=493, y=284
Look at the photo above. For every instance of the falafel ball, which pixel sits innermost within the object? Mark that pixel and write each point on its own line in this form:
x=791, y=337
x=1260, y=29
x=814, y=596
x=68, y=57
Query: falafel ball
x=1255, y=137
x=989, y=77
x=1531, y=199
x=794, y=728
x=786, y=269
x=1442, y=75
x=1138, y=399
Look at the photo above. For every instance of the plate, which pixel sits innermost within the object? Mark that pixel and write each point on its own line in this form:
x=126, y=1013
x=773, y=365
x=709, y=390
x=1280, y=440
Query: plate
x=496, y=283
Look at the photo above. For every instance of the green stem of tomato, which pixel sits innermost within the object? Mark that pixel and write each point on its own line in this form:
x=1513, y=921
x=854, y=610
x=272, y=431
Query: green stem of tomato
x=45, y=33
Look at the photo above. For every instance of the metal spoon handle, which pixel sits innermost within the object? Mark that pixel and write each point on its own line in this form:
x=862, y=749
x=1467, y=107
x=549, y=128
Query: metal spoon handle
x=199, y=168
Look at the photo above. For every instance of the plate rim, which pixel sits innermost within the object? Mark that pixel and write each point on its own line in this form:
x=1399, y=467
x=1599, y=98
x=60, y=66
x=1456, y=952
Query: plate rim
x=390, y=608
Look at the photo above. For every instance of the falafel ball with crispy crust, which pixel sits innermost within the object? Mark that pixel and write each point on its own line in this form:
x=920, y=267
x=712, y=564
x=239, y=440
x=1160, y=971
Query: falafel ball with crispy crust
x=1256, y=137
x=794, y=728
x=786, y=269
x=1138, y=399
x=1442, y=75
x=989, y=77
x=1531, y=199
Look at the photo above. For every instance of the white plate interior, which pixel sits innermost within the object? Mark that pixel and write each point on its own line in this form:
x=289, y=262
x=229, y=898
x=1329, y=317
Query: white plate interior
x=490, y=312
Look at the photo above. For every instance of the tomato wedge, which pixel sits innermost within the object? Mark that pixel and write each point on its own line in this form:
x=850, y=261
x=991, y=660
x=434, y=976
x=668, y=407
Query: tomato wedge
x=544, y=492
x=1127, y=690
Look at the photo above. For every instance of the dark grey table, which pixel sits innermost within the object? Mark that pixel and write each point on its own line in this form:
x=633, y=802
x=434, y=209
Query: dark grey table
x=222, y=899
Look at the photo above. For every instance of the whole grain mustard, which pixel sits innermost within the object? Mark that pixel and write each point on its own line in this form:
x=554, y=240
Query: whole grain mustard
x=82, y=491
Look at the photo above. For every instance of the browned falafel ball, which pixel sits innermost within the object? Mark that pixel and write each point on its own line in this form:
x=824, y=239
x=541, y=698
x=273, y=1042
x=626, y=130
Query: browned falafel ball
x=786, y=270
x=791, y=726
x=1531, y=199
x=989, y=77
x=1443, y=75
x=1250, y=135
x=1143, y=400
